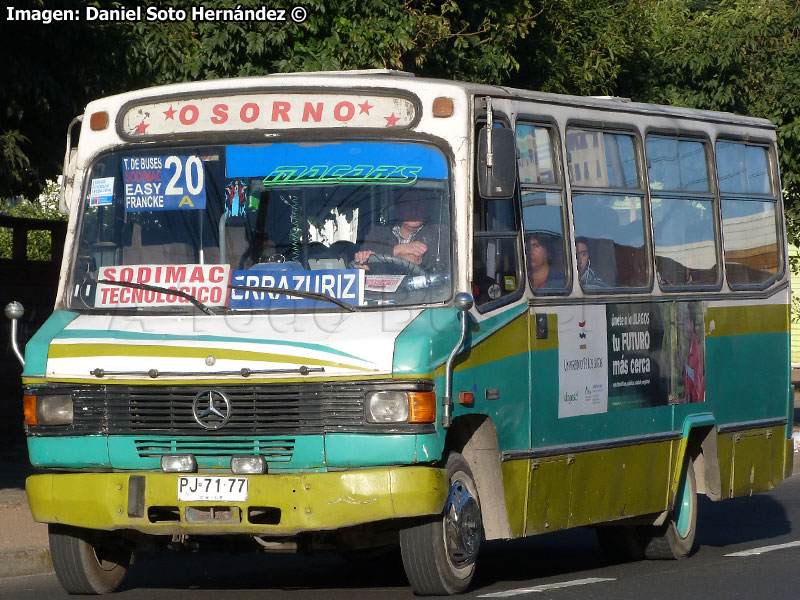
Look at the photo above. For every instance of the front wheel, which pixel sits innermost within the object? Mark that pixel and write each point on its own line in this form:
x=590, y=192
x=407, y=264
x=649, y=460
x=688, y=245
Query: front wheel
x=86, y=561
x=439, y=556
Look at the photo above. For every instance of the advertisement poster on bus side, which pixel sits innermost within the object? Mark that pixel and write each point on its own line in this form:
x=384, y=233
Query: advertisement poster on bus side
x=628, y=356
x=639, y=361
x=688, y=373
x=656, y=354
x=583, y=359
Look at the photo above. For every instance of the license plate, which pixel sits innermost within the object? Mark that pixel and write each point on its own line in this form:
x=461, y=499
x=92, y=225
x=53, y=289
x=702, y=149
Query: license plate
x=218, y=489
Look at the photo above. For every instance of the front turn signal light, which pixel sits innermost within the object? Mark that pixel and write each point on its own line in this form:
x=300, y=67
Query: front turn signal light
x=29, y=409
x=421, y=407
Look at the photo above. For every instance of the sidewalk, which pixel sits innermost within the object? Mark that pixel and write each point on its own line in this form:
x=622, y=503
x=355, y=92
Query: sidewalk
x=23, y=542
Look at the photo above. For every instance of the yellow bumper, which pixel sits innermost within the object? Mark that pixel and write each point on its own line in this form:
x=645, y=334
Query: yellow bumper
x=293, y=503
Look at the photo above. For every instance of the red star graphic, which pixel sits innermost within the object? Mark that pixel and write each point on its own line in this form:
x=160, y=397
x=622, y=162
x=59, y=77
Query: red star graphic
x=391, y=121
x=170, y=113
x=141, y=128
x=365, y=108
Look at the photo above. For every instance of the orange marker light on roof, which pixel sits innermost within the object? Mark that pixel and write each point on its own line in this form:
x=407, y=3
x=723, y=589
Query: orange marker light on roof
x=443, y=107
x=98, y=121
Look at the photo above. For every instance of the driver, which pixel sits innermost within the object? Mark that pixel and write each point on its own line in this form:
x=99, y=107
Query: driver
x=410, y=239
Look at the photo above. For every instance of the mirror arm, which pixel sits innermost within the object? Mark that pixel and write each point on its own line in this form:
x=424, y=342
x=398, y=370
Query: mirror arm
x=489, y=127
x=464, y=302
x=14, y=312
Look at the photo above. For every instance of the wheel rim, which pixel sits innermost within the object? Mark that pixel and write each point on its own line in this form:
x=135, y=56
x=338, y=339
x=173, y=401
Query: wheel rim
x=683, y=507
x=462, y=525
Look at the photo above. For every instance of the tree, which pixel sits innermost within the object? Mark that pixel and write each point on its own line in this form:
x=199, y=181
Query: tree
x=736, y=55
x=48, y=73
x=741, y=56
x=43, y=207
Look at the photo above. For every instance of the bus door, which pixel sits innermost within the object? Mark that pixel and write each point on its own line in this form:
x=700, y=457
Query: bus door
x=499, y=338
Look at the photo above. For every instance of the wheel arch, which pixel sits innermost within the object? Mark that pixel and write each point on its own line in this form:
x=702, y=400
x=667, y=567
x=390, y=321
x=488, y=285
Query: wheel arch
x=475, y=438
x=699, y=442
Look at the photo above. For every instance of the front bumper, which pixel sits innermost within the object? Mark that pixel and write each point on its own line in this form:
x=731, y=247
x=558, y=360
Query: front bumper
x=298, y=503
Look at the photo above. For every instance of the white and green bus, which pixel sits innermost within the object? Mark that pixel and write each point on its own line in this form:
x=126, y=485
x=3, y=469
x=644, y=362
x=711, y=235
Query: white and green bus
x=362, y=310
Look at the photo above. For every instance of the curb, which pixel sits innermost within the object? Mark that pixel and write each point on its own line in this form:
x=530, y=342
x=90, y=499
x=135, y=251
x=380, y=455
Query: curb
x=34, y=561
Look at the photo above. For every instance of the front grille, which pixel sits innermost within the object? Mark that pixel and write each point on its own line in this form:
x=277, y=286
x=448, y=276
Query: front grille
x=256, y=410
x=272, y=449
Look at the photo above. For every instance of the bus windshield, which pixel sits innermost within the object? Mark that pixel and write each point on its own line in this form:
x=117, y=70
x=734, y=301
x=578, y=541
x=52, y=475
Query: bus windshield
x=282, y=226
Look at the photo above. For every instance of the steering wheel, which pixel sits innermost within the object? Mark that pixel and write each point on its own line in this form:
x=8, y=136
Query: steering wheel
x=384, y=263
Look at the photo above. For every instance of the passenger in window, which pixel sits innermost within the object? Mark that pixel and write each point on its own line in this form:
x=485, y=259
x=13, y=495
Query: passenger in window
x=586, y=274
x=411, y=239
x=541, y=272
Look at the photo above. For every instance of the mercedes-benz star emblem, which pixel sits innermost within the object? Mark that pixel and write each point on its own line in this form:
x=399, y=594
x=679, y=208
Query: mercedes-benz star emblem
x=211, y=409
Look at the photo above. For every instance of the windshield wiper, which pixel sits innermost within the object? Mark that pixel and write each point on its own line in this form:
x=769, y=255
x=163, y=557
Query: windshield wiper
x=156, y=288
x=297, y=293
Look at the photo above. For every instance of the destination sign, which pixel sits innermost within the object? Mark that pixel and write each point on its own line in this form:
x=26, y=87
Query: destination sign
x=267, y=111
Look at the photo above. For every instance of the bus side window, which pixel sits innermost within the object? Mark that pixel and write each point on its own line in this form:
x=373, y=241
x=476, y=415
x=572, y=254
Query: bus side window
x=542, y=209
x=609, y=217
x=682, y=204
x=749, y=215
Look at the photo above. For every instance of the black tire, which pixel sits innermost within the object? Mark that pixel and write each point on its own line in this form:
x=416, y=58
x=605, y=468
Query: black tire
x=86, y=561
x=439, y=556
x=675, y=539
x=622, y=543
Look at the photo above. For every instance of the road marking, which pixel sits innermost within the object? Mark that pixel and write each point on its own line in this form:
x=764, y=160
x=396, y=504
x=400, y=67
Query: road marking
x=546, y=587
x=763, y=549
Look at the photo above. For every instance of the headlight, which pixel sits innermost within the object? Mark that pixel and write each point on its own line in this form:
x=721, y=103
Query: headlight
x=387, y=407
x=48, y=410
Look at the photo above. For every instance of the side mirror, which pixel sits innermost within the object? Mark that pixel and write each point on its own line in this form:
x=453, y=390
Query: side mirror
x=497, y=164
x=14, y=312
x=65, y=180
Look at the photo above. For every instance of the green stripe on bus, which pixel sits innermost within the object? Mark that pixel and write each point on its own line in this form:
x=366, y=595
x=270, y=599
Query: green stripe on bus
x=162, y=337
x=37, y=348
x=105, y=350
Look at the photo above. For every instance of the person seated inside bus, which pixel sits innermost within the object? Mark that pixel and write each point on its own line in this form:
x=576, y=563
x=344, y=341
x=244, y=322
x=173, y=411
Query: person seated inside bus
x=412, y=239
x=586, y=275
x=542, y=273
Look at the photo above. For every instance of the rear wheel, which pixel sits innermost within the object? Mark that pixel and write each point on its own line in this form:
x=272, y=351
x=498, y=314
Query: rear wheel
x=672, y=540
x=87, y=561
x=439, y=556
x=622, y=542
x=675, y=539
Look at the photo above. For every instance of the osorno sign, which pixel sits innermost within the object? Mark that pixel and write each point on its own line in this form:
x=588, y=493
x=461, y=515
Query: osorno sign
x=268, y=111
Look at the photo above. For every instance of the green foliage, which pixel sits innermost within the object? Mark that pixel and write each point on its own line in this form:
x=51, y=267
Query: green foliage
x=740, y=56
x=586, y=47
x=735, y=55
x=467, y=40
x=44, y=207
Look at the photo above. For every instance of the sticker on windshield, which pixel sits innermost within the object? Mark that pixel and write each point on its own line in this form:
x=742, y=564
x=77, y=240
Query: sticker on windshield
x=102, y=192
x=152, y=285
x=346, y=285
x=155, y=183
x=383, y=283
x=375, y=163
